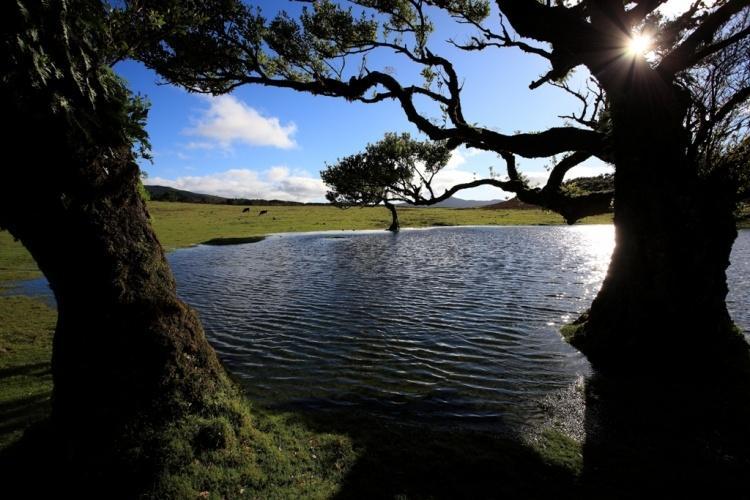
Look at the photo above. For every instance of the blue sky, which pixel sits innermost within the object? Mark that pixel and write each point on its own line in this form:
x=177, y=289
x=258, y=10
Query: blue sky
x=263, y=142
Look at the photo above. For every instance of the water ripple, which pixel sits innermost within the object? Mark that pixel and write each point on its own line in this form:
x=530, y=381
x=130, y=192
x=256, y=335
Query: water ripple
x=457, y=324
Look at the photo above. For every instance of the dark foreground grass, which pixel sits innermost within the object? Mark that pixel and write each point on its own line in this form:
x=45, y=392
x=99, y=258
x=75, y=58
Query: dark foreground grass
x=26, y=327
x=237, y=451
x=15, y=261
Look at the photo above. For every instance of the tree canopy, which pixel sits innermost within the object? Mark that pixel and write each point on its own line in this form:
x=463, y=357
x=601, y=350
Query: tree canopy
x=396, y=168
x=325, y=51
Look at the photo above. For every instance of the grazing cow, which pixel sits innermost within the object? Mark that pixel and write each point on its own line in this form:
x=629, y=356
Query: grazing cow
x=245, y=210
x=263, y=212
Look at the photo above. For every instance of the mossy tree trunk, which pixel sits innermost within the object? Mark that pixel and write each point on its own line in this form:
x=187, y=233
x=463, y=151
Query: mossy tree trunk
x=129, y=358
x=125, y=347
x=662, y=303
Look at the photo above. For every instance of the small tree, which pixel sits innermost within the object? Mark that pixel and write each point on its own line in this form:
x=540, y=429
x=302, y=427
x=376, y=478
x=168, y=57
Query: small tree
x=397, y=168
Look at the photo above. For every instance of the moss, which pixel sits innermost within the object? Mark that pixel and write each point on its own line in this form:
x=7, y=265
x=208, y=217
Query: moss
x=573, y=332
x=219, y=445
x=232, y=451
x=558, y=449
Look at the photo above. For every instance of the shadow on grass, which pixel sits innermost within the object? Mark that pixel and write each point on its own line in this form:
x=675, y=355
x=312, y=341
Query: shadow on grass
x=32, y=369
x=670, y=433
x=18, y=414
x=410, y=461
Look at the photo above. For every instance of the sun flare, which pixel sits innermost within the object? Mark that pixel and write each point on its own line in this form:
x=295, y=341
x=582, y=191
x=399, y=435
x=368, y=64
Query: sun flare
x=639, y=44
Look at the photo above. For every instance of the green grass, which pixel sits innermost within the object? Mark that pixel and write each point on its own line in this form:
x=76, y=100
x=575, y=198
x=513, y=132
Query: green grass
x=288, y=455
x=15, y=261
x=26, y=327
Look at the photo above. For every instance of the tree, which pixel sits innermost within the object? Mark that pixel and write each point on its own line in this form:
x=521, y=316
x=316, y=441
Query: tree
x=397, y=168
x=134, y=376
x=662, y=303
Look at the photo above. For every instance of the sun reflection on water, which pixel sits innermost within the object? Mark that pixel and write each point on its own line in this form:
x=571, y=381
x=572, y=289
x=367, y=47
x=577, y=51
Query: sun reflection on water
x=597, y=240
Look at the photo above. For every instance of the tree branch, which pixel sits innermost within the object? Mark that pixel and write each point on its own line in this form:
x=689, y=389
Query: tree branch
x=737, y=99
x=556, y=176
x=716, y=47
x=682, y=56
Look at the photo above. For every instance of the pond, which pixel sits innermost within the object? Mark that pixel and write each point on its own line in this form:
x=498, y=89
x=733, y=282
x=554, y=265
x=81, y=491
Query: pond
x=452, y=325
x=449, y=326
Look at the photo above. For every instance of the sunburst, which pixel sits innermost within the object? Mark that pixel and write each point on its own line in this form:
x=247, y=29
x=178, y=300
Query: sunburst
x=639, y=44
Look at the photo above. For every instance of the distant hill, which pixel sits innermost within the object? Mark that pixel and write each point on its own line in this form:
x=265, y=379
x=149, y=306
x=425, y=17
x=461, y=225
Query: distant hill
x=454, y=202
x=164, y=193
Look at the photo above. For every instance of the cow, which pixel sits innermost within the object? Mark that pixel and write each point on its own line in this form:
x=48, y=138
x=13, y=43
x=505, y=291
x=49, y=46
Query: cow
x=262, y=212
x=245, y=210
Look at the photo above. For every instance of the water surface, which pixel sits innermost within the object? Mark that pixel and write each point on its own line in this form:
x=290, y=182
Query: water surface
x=447, y=325
x=450, y=325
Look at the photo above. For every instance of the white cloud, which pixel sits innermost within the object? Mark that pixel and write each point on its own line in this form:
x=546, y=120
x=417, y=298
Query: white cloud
x=277, y=173
x=451, y=174
x=274, y=184
x=457, y=159
x=228, y=120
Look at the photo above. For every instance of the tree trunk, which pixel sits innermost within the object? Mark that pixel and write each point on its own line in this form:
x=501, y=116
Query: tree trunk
x=662, y=303
x=395, y=226
x=130, y=360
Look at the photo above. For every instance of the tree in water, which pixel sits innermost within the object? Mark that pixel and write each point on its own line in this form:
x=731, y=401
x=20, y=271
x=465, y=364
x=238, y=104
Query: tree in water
x=662, y=304
x=395, y=169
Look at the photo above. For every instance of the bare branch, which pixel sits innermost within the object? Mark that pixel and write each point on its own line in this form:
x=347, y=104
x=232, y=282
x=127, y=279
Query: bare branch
x=716, y=47
x=684, y=54
x=584, y=118
x=736, y=100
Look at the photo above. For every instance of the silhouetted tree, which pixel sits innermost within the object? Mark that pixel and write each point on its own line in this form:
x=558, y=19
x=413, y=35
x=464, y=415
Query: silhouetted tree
x=396, y=168
x=663, y=298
